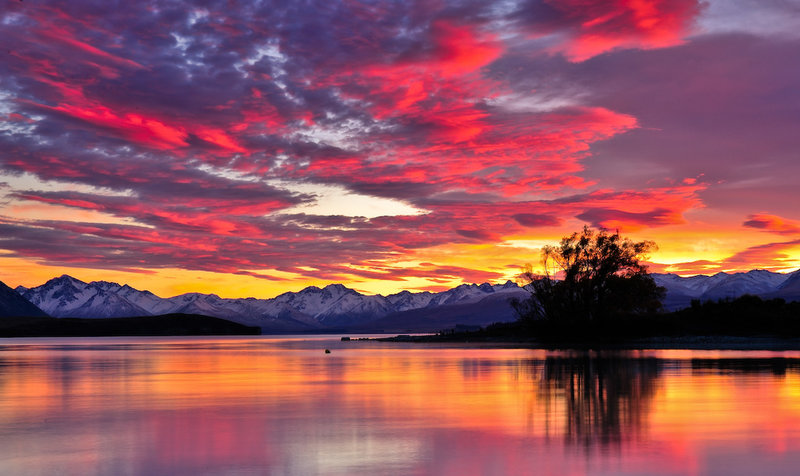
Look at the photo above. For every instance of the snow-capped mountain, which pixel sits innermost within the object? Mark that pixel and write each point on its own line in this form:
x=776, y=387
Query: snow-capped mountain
x=338, y=307
x=789, y=289
x=476, y=310
x=334, y=306
x=13, y=304
x=66, y=296
x=681, y=291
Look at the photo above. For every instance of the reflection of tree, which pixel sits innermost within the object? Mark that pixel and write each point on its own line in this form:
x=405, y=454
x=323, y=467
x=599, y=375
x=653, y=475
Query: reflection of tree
x=776, y=365
x=606, y=398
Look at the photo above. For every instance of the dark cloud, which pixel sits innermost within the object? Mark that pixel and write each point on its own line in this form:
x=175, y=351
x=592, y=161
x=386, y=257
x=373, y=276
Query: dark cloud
x=535, y=220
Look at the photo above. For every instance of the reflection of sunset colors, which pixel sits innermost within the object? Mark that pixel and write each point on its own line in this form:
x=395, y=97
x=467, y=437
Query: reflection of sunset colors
x=181, y=405
x=251, y=150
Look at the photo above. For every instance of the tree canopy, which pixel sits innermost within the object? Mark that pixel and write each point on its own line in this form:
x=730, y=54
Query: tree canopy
x=589, y=277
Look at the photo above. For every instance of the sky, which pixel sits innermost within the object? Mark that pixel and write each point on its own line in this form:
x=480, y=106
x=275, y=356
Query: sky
x=254, y=148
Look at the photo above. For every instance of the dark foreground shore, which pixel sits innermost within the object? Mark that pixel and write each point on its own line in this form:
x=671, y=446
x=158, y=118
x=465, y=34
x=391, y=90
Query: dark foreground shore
x=745, y=323
x=699, y=342
x=164, y=325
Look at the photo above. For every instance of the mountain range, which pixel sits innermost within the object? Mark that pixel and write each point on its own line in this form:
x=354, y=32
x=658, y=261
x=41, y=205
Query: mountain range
x=766, y=284
x=332, y=307
x=336, y=307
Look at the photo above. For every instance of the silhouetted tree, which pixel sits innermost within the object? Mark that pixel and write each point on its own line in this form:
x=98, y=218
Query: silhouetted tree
x=589, y=277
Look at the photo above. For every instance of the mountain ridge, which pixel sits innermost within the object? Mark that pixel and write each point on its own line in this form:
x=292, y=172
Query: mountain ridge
x=312, y=308
x=336, y=306
x=760, y=282
x=13, y=304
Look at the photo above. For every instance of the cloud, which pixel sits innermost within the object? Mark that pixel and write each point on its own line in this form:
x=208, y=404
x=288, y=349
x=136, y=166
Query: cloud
x=535, y=220
x=591, y=28
x=195, y=138
x=772, y=223
x=776, y=257
x=621, y=220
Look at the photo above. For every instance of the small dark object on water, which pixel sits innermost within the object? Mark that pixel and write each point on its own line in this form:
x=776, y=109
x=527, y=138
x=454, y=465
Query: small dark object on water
x=345, y=339
x=327, y=351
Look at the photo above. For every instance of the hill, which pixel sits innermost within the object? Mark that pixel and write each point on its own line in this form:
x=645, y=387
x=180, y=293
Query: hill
x=13, y=304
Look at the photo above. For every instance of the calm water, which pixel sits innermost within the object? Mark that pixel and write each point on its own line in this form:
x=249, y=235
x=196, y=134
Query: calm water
x=270, y=405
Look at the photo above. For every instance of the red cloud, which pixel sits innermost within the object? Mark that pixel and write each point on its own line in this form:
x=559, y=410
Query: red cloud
x=599, y=26
x=612, y=219
x=147, y=131
x=219, y=138
x=438, y=87
x=60, y=34
x=458, y=50
x=773, y=223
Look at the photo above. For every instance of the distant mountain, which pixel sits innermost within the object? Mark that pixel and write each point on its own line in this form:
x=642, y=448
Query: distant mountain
x=13, y=304
x=789, y=289
x=681, y=291
x=332, y=307
x=487, y=310
x=66, y=296
x=338, y=307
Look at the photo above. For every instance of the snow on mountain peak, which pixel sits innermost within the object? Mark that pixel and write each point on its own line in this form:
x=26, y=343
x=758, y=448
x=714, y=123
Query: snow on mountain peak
x=680, y=290
x=65, y=280
x=336, y=305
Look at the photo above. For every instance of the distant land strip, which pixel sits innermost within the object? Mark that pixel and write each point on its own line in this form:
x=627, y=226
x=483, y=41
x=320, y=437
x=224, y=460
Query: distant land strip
x=164, y=325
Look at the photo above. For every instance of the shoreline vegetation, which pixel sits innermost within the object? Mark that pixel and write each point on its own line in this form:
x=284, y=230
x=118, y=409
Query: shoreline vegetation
x=747, y=322
x=699, y=342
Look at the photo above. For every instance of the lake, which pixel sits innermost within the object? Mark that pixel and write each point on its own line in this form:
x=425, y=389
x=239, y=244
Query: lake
x=281, y=405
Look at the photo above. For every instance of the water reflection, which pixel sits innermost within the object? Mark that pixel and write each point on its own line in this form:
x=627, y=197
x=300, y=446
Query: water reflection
x=282, y=406
x=776, y=366
x=606, y=397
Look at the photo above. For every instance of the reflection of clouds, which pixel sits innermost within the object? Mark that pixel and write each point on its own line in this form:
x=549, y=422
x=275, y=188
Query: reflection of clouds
x=359, y=452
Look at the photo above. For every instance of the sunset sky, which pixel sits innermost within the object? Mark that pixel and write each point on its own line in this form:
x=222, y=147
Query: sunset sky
x=253, y=148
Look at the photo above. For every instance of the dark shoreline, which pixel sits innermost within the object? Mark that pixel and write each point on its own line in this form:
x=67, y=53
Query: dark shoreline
x=163, y=325
x=695, y=342
x=745, y=323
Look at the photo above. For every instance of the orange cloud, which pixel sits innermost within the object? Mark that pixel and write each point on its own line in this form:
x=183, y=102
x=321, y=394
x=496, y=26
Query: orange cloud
x=774, y=224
